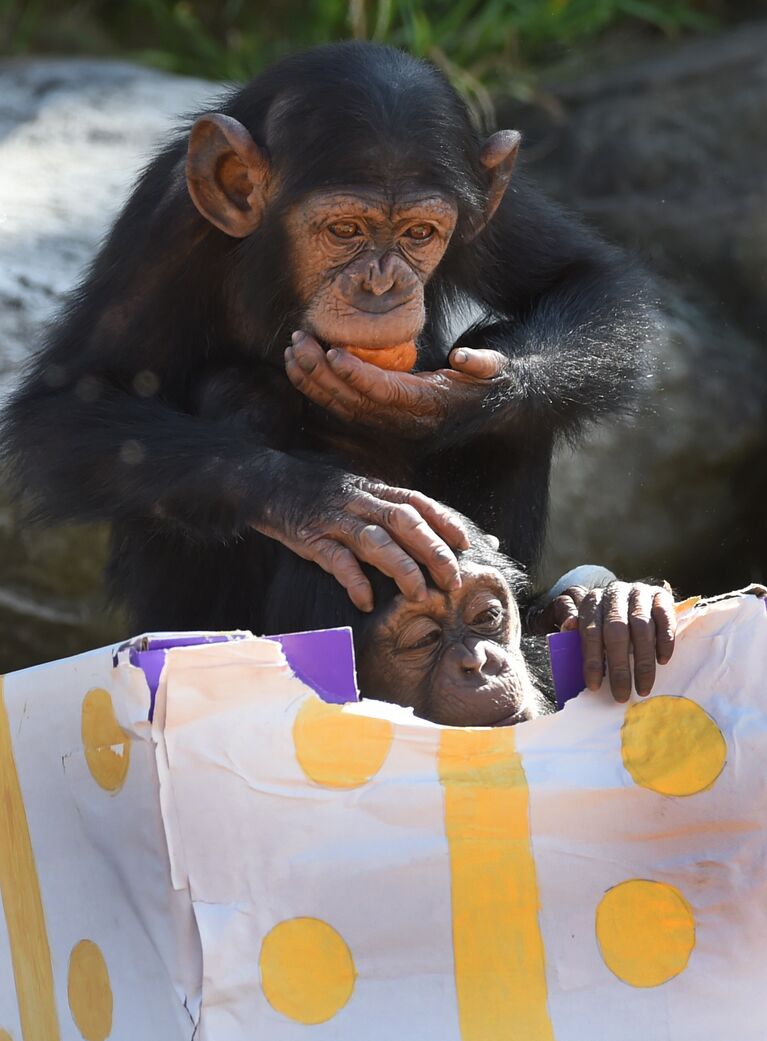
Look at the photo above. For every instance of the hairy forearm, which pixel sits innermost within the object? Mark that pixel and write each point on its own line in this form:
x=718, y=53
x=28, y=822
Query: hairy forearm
x=119, y=456
x=577, y=356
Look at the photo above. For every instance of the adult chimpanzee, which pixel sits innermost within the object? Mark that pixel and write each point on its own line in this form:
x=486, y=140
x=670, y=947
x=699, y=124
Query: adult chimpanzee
x=462, y=656
x=344, y=193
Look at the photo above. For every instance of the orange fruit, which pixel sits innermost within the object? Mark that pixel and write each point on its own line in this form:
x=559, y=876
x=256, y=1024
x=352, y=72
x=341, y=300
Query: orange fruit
x=399, y=359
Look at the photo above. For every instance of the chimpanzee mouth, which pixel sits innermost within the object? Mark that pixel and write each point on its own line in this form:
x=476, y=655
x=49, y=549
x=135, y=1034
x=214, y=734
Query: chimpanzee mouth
x=517, y=717
x=383, y=308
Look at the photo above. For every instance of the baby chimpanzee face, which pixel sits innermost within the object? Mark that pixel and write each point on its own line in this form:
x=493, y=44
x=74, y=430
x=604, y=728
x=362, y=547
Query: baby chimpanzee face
x=455, y=658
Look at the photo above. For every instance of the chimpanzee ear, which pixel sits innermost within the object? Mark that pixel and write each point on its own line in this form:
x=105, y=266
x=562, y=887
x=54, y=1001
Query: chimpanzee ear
x=227, y=174
x=498, y=155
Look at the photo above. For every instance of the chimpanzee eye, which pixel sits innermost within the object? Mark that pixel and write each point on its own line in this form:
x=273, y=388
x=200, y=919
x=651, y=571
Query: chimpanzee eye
x=490, y=616
x=427, y=640
x=420, y=232
x=344, y=229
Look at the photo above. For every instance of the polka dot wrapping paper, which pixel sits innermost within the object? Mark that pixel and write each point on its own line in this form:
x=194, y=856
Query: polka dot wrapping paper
x=257, y=862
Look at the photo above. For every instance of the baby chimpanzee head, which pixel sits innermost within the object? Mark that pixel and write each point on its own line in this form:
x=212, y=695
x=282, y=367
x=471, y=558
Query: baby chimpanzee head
x=455, y=658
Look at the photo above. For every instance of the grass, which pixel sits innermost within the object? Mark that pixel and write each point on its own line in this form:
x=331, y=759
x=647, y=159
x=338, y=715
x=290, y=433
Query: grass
x=481, y=44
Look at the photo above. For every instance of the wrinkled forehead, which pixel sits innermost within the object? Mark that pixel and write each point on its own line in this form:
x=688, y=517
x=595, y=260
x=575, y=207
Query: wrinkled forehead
x=477, y=579
x=390, y=203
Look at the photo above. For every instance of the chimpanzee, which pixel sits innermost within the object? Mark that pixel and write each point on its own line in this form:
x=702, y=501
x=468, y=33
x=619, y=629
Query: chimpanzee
x=345, y=197
x=463, y=657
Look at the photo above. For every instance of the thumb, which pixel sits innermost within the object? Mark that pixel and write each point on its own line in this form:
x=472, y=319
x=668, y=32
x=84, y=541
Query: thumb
x=482, y=363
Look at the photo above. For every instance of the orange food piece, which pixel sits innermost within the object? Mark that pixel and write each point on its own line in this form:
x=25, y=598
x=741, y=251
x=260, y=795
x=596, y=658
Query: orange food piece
x=399, y=359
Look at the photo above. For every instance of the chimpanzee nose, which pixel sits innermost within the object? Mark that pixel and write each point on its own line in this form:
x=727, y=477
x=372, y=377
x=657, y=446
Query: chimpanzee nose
x=471, y=656
x=380, y=277
x=378, y=284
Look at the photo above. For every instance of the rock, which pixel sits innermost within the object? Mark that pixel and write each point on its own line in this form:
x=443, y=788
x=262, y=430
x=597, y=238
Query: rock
x=671, y=495
x=667, y=156
x=73, y=135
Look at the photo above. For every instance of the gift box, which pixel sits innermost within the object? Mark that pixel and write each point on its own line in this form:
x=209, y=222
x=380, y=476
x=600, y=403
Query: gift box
x=209, y=836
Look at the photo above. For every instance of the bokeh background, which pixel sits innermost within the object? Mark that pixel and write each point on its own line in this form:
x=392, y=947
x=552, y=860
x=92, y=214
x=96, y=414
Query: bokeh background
x=648, y=117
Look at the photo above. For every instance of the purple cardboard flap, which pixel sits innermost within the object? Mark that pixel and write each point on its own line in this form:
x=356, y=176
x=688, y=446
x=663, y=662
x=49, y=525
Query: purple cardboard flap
x=323, y=659
x=566, y=665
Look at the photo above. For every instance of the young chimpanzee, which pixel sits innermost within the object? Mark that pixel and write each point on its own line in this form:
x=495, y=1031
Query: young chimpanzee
x=345, y=197
x=462, y=657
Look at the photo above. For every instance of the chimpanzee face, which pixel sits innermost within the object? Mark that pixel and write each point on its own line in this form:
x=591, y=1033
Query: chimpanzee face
x=359, y=256
x=455, y=658
x=361, y=260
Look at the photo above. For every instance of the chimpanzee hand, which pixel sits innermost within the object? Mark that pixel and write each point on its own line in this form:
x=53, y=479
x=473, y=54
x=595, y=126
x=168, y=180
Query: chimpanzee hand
x=612, y=620
x=393, y=529
x=411, y=405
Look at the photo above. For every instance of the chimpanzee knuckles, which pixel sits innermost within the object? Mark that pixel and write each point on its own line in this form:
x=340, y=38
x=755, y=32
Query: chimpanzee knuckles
x=227, y=174
x=498, y=155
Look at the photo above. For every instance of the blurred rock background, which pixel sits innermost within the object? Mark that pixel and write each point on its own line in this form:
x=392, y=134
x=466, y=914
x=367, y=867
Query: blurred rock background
x=649, y=119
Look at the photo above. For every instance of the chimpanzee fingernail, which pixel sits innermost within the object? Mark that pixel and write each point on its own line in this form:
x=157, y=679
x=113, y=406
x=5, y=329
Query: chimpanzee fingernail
x=460, y=356
x=295, y=337
x=332, y=354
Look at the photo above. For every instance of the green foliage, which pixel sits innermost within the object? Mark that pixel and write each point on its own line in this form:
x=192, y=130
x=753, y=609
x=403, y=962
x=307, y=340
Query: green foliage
x=232, y=39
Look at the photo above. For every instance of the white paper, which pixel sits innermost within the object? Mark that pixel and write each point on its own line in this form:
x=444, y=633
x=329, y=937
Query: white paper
x=221, y=849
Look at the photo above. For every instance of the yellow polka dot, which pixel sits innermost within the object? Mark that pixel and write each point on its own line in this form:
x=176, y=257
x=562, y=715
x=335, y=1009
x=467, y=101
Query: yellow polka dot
x=670, y=745
x=338, y=749
x=89, y=991
x=107, y=746
x=307, y=970
x=645, y=931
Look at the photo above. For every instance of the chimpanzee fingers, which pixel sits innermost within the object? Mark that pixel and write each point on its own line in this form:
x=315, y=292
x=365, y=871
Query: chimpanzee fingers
x=320, y=397
x=310, y=373
x=617, y=638
x=373, y=544
x=565, y=612
x=481, y=363
x=664, y=616
x=642, y=628
x=414, y=534
x=362, y=531
x=341, y=563
x=565, y=608
x=440, y=518
x=413, y=538
x=590, y=626
x=385, y=388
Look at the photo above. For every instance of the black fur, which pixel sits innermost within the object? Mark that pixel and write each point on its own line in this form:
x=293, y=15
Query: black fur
x=89, y=435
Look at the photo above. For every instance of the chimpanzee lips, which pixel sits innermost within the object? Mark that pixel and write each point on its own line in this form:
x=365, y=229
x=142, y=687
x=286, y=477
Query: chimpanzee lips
x=490, y=702
x=509, y=721
x=380, y=305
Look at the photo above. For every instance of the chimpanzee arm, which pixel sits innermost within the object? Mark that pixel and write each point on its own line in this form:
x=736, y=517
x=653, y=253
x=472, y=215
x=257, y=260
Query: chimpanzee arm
x=92, y=450
x=574, y=319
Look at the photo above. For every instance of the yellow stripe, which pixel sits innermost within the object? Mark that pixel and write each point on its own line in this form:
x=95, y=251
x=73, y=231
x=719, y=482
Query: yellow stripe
x=499, y=958
x=23, y=905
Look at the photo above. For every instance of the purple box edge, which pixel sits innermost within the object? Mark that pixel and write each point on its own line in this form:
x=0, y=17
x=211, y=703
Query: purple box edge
x=322, y=659
x=566, y=665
